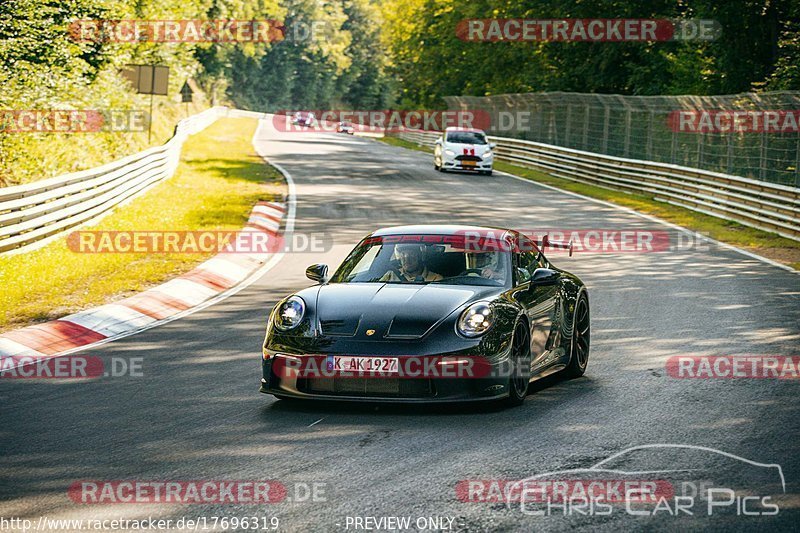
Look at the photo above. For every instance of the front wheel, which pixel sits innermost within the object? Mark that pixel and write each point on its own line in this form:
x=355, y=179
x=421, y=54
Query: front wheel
x=520, y=367
x=579, y=348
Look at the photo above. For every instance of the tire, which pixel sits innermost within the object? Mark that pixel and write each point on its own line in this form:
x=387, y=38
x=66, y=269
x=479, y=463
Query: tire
x=436, y=167
x=520, y=376
x=581, y=336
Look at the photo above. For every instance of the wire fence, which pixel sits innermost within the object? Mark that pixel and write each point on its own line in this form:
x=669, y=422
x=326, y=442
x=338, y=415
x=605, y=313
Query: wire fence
x=754, y=135
x=753, y=203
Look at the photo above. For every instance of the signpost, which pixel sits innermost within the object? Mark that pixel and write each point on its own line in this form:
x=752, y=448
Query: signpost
x=148, y=79
x=186, y=95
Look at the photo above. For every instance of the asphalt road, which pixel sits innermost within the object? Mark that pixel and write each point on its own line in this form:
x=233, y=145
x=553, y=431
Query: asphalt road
x=196, y=412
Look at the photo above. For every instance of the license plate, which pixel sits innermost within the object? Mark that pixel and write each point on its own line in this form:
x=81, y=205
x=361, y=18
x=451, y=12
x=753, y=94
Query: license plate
x=380, y=365
x=468, y=163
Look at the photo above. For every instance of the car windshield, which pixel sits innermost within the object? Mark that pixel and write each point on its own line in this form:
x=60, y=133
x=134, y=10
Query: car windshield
x=466, y=137
x=423, y=259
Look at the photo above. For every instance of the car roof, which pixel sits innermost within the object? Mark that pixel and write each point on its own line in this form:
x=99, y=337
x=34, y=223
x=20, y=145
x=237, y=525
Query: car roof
x=455, y=128
x=438, y=229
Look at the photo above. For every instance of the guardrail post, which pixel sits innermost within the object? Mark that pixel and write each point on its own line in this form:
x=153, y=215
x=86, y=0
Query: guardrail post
x=701, y=139
x=797, y=164
x=673, y=147
x=586, y=127
x=566, y=129
x=626, y=149
x=537, y=134
x=729, y=167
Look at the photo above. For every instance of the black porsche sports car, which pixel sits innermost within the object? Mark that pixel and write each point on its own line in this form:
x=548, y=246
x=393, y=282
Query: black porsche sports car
x=429, y=314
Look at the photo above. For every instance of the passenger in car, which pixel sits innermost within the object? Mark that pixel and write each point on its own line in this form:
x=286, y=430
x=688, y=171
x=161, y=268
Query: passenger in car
x=412, y=266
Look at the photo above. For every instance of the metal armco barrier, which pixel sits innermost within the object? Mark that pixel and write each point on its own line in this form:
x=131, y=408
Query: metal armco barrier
x=34, y=212
x=757, y=204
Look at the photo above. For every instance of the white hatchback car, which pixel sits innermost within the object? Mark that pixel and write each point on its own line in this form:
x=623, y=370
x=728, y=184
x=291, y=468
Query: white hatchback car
x=464, y=149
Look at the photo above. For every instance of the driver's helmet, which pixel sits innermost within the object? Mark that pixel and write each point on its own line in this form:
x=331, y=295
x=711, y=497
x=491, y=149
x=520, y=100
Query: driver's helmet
x=485, y=260
x=406, y=248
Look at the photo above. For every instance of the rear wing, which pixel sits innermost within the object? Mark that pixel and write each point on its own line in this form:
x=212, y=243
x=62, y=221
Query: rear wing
x=546, y=242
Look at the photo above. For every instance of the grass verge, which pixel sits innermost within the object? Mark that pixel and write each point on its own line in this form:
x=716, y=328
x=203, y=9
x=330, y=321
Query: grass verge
x=763, y=243
x=218, y=181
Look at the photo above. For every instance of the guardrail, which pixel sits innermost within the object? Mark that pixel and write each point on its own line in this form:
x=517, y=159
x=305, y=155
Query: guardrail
x=753, y=203
x=34, y=213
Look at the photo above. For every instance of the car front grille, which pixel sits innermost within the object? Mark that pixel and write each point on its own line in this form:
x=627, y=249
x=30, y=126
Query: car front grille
x=368, y=387
x=468, y=158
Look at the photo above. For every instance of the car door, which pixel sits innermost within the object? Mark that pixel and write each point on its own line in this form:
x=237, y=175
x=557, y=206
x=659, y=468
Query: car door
x=539, y=302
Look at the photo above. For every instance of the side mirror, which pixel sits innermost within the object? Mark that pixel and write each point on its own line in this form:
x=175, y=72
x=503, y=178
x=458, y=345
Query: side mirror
x=492, y=145
x=544, y=276
x=523, y=276
x=318, y=273
x=439, y=140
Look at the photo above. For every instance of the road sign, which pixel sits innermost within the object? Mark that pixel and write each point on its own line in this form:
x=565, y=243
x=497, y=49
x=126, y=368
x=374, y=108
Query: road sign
x=186, y=92
x=148, y=79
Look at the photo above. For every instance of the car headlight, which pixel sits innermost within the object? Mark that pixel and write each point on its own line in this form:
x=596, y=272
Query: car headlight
x=488, y=154
x=475, y=320
x=290, y=313
x=449, y=152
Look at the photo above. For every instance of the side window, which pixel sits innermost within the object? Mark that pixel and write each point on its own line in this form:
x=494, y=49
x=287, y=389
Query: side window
x=540, y=261
x=526, y=264
x=528, y=259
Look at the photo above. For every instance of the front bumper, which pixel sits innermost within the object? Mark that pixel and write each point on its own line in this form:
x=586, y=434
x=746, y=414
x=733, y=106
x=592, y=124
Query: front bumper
x=425, y=389
x=451, y=163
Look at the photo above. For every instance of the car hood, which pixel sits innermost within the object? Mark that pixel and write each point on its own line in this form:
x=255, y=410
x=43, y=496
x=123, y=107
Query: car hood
x=392, y=310
x=459, y=148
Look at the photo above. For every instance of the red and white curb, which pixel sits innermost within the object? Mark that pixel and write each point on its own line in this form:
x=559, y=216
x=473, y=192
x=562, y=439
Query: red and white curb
x=206, y=281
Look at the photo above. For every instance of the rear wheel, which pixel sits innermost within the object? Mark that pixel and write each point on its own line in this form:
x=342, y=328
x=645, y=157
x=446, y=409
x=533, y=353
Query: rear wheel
x=520, y=367
x=579, y=349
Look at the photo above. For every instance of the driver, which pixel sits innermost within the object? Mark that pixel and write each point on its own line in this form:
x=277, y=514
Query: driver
x=488, y=264
x=412, y=265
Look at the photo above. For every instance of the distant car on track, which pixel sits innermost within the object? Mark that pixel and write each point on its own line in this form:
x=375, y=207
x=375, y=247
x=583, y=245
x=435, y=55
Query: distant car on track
x=484, y=304
x=464, y=149
x=345, y=127
x=306, y=119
